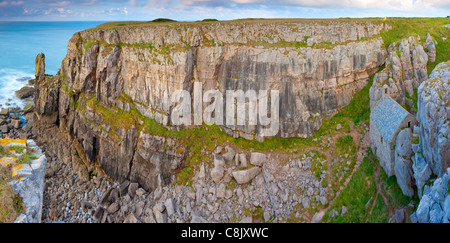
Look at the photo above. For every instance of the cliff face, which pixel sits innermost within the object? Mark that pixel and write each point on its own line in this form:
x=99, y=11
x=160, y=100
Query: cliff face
x=147, y=64
x=434, y=118
x=114, y=79
x=406, y=69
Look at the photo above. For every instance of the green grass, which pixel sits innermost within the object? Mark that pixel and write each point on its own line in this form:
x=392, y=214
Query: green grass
x=17, y=149
x=345, y=145
x=405, y=27
x=361, y=188
x=185, y=175
x=358, y=110
x=355, y=196
x=414, y=98
x=25, y=158
x=380, y=213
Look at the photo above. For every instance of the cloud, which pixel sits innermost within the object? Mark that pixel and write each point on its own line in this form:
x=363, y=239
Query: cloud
x=221, y=9
x=11, y=3
x=59, y=4
x=117, y=11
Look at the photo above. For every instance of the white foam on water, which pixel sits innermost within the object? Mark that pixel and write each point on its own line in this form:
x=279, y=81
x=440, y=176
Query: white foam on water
x=12, y=80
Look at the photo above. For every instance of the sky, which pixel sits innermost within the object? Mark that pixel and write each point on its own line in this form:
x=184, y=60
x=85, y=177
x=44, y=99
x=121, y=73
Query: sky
x=190, y=10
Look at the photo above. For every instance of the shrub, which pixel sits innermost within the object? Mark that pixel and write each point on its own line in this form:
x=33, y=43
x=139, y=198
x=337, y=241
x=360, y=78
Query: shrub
x=162, y=20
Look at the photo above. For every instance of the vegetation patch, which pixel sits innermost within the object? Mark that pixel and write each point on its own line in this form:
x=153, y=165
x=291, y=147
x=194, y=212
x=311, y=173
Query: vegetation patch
x=162, y=20
x=209, y=20
x=355, y=196
x=403, y=28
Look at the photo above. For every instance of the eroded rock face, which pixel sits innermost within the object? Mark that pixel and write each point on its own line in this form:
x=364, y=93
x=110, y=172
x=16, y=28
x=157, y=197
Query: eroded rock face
x=431, y=46
x=434, y=206
x=406, y=69
x=434, y=116
x=124, y=70
x=313, y=83
x=40, y=66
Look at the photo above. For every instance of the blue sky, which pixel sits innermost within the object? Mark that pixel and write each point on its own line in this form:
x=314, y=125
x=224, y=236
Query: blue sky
x=110, y=10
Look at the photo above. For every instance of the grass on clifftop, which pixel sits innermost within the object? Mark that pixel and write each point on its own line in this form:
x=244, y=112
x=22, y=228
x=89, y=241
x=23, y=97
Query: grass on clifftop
x=403, y=28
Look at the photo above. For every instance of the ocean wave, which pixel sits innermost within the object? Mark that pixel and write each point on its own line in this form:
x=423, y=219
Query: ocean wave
x=10, y=81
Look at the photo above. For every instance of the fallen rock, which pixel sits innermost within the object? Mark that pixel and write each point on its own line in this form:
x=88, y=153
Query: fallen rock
x=170, y=207
x=123, y=188
x=132, y=189
x=229, y=155
x=257, y=159
x=422, y=172
x=24, y=92
x=4, y=112
x=218, y=170
x=423, y=210
x=132, y=219
x=245, y=176
x=403, y=163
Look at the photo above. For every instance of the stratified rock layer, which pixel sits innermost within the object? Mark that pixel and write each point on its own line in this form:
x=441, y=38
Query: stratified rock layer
x=109, y=73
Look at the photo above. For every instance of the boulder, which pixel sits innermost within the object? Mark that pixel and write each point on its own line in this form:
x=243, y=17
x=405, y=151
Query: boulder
x=24, y=92
x=241, y=160
x=4, y=129
x=218, y=170
x=229, y=155
x=16, y=123
x=4, y=112
x=422, y=172
x=114, y=207
x=132, y=219
x=423, y=210
x=431, y=48
x=160, y=217
x=436, y=213
x=245, y=176
x=419, y=60
x=123, y=188
x=257, y=159
x=132, y=189
x=400, y=216
x=98, y=214
x=170, y=206
x=446, y=207
x=403, y=163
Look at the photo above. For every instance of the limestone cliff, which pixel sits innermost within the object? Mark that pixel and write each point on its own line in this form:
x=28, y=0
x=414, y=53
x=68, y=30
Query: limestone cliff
x=434, y=118
x=406, y=69
x=114, y=79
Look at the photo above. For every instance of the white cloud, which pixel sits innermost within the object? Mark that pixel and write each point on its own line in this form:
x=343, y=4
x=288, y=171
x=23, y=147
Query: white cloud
x=59, y=4
x=12, y=3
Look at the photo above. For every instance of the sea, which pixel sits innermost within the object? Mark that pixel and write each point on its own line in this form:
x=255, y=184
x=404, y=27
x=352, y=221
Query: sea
x=20, y=42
